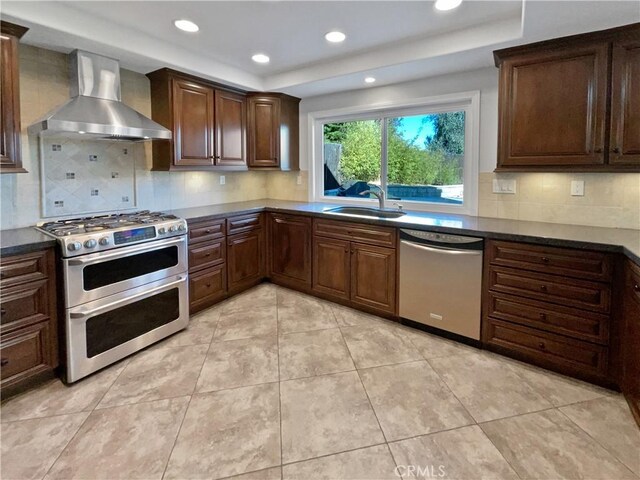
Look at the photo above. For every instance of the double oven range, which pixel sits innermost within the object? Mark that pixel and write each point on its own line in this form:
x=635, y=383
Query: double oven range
x=125, y=285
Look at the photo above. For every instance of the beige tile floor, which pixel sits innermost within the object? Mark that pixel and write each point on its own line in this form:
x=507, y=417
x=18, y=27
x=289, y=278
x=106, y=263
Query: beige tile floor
x=273, y=384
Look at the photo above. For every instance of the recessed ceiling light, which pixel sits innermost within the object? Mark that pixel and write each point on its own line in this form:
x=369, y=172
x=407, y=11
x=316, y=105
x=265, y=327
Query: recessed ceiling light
x=186, y=25
x=335, y=37
x=445, y=5
x=260, y=58
x=81, y=132
x=369, y=80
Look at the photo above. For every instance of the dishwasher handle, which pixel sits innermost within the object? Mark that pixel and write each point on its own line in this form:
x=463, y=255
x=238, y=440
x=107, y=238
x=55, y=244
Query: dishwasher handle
x=444, y=250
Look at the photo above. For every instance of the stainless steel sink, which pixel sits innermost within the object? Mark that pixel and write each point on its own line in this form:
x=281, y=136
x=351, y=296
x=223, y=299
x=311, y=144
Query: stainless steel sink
x=365, y=212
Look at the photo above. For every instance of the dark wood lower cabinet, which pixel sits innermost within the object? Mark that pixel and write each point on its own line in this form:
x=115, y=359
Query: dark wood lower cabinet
x=245, y=260
x=28, y=320
x=331, y=267
x=373, y=277
x=631, y=338
x=207, y=287
x=290, y=250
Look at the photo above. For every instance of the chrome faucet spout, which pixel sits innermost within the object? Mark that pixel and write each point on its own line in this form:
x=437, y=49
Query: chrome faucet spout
x=379, y=195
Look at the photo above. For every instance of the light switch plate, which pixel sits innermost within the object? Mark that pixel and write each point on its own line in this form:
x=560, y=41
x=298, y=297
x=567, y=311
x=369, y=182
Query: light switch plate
x=577, y=188
x=223, y=180
x=504, y=186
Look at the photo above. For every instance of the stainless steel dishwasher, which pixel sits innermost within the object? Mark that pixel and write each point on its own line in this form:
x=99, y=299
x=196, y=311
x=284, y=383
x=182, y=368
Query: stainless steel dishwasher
x=440, y=281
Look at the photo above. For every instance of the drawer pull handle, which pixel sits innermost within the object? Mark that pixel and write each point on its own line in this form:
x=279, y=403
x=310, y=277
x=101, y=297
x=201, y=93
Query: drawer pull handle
x=616, y=150
x=545, y=259
x=207, y=231
x=541, y=345
x=543, y=288
x=207, y=254
x=208, y=285
x=543, y=316
x=636, y=287
x=3, y=311
x=4, y=362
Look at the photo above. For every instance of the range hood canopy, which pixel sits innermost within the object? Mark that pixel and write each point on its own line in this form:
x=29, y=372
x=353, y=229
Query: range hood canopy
x=95, y=108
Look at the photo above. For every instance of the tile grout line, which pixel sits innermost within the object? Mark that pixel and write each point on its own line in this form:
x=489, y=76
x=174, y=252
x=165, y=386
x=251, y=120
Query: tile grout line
x=596, y=440
x=279, y=376
x=84, y=421
x=186, y=410
x=499, y=451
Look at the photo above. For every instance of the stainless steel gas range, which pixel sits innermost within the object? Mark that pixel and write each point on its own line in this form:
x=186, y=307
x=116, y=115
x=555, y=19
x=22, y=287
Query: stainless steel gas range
x=125, y=285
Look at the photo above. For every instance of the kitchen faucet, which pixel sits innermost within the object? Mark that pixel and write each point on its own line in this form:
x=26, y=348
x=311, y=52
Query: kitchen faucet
x=380, y=196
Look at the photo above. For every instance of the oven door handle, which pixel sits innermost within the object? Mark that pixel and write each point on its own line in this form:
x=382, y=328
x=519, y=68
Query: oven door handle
x=101, y=256
x=109, y=306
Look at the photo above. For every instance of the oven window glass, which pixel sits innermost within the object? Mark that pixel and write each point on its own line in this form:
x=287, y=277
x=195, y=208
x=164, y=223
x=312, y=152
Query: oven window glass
x=120, y=269
x=113, y=328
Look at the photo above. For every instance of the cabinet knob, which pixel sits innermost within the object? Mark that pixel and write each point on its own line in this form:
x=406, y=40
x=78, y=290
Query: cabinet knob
x=543, y=316
x=598, y=150
x=207, y=231
x=543, y=288
x=636, y=287
x=207, y=254
x=545, y=259
x=616, y=150
x=3, y=311
x=4, y=362
x=208, y=285
x=541, y=345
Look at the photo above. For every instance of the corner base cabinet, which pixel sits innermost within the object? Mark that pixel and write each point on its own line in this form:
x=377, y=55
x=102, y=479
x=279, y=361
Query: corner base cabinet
x=29, y=327
x=245, y=251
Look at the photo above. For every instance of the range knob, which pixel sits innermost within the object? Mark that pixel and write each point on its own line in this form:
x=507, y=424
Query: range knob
x=104, y=241
x=173, y=228
x=91, y=243
x=162, y=231
x=181, y=227
x=74, y=246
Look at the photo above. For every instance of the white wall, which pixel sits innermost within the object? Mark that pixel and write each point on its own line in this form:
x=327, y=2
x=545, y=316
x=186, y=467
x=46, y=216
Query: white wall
x=485, y=80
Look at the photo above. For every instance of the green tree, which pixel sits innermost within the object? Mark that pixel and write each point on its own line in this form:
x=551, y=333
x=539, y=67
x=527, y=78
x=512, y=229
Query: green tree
x=361, y=151
x=449, y=133
x=335, y=132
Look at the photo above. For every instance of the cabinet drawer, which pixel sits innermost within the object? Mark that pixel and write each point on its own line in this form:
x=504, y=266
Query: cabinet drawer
x=559, y=261
x=632, y=280
x=24, y=268
x=208, y=284
x=25, y=352
x=28, y=303
x=244, y=223
x=205, y=231
x=589, y=326
x=373, y=235
x=202, y=255
x=547, y=349
x=551, y=288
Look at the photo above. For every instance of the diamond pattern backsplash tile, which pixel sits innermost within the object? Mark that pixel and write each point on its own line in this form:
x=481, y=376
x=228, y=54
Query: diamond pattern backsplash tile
x=88, y=176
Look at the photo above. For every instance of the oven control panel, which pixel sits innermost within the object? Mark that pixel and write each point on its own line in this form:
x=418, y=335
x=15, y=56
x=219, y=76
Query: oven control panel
x=83, y=244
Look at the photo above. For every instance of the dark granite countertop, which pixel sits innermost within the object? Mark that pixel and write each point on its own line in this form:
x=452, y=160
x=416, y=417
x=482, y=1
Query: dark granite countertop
x=23, y=240
x=553, y=234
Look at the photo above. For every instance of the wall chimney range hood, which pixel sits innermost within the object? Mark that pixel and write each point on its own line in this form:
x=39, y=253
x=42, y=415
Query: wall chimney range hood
x=95, y=108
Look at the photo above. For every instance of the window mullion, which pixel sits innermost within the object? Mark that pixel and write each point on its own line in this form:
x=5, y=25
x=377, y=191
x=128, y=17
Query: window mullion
x=383, y=156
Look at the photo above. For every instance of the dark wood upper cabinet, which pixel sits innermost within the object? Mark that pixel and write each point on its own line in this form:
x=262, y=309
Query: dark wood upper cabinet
x=10, y=148
x=273, y=131
x=290, y=250
x=193, y=124
x=208, y=123
x=230, y=128
x=565, y=106
x=625, y=103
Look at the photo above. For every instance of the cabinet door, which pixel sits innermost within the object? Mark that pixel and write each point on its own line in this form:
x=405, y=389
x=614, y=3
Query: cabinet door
x=10, y=151
x=331, y=267
x=625, y=104
x=264, y=132
x=631, y=339
x=290, y=250
x=245, y=260
x=193, y=124
x=230, y=114
x=553, y=107
x=373, y=277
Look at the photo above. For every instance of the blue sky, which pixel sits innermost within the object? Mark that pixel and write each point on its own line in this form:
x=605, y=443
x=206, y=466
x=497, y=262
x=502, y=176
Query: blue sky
x=411, y=126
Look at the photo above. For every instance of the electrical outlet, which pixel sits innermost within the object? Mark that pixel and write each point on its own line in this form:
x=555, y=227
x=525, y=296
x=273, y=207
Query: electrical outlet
x=223, y=180
x=299, y=180
x=577, y=188
x=504, y=186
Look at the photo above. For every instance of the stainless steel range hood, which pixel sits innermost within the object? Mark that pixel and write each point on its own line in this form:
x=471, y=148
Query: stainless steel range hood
x=95, y=108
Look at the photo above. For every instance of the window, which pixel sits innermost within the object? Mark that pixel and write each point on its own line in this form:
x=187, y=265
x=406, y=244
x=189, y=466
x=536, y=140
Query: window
x=420, y=155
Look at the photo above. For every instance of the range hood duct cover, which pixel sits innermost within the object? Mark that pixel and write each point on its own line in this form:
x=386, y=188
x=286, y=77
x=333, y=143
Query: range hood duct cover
x=95, y=108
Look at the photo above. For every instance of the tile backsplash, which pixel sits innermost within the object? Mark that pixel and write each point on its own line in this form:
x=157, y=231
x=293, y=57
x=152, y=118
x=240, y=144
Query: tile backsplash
x=610, y=199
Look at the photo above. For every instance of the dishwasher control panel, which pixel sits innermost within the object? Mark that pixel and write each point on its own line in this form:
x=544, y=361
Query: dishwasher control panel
x=438, y=237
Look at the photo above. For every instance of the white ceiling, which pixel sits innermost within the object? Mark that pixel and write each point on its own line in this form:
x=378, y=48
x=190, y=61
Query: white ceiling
x=392, y=40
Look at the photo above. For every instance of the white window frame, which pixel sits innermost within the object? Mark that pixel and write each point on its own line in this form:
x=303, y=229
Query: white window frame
x=469, y=102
